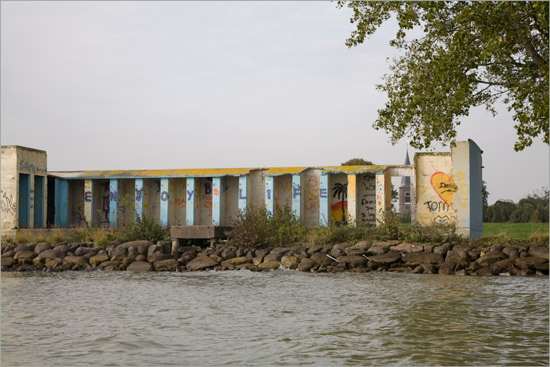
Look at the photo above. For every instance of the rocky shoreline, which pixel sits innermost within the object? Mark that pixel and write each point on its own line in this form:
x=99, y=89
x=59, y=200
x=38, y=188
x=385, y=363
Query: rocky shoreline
x=365, y=256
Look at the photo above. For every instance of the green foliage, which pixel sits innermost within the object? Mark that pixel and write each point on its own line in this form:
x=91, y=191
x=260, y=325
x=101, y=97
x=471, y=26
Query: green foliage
x=533, y=208
x=256, y=227
x=470, y=54
x=144, y=229
x=517, y=231
x=357, y=162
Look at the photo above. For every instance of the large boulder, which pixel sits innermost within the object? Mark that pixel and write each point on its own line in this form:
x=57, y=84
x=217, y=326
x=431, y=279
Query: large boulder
x=232, y=263
x=48, y=254
x=491, y=257
x=385, y=258
x=501, y=266
x=538, y=251
x=290, y=262
x=512, y=252
x=98, y=259
x=353, y=261
x=158, y=256
x=76, y=260
x=186, y=257
x=201, y=263
x=442, y=249
x=321, y=259
x=358, y=249
x=269, y=265
x=306, y=264
x=61, y=250
x=458, y=257
x=166, y=265
x=228, y=253
x=140, y=266
x=378, y=248
x=418, y=258
x=407, y=248
x=25, y=247
x=532, y=263
x=41, y=247
x=7, y=261
x=24, y=256
x=277, y=256
x=110, y=265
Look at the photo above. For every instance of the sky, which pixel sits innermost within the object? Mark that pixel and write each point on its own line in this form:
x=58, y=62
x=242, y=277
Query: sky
x=153, y=85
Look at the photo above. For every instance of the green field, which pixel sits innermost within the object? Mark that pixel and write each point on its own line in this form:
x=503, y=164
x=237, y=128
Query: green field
x=516, y=231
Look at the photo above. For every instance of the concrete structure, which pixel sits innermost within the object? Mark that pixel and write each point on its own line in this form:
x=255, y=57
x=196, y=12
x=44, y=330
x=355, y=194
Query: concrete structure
x=356, y=195
x=405, y=192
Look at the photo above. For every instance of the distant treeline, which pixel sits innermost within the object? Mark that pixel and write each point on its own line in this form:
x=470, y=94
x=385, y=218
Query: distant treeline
x=533, y=208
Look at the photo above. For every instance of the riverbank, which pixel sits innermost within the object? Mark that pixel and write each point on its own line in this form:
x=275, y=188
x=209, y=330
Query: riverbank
x=364, y=256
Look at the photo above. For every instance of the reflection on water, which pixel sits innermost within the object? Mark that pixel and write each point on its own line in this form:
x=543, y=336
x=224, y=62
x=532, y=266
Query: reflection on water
x=275, y=318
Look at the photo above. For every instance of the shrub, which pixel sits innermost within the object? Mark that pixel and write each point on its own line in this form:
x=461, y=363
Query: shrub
x=144, y=229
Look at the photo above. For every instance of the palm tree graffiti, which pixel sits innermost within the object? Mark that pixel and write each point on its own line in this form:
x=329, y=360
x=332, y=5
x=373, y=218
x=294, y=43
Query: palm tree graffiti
x=340, y=191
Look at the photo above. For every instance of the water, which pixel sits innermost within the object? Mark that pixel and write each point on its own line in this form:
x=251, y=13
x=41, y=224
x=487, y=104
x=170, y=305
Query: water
x=276, y=318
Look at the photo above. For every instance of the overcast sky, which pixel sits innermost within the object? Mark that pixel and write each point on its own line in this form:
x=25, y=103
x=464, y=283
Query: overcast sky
x=146, y=85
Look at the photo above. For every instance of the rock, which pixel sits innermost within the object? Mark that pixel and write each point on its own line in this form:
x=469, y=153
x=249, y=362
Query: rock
x=321, y=259
x=81, y=251
x=166, y=265
x=297, y=250
x=407, y=248
x=378, y=248
x=512, y=252
x=157, y=256
x=531, y=263
x=501, y=266
x=257, y=260
x=353, y=261
x=385, y=258
x=201, y=263
x=491, y=257
x=260, y=253
x=447, y=268
x=417, y=258
x=98, y=259
x=48, y=254
x=61, y=250
x=336, y=252
x=290, y=262
x=358, y=249
x=475, y=253
x=53, y=263
x=314, y=249
x=41, y=247
x=137, y=244
x=110, y=265
x=140, y=266
x=462, y=247
x=246, y=266
x=140, y=258
x=76, y=260
x=442, y=250
x=269, y=265
x=538, y=251
x=153, y=249
x=9, y=253
x=7, y=261
x=25, y=247
x=232, y=263
x=273, y=257
x=185, y=257
x=24, y=256
x=484, y=271
x=428, y=248
x=127, y=261
x=228, y=253
x=458, y=257
x=306, y=264
x=216, y=258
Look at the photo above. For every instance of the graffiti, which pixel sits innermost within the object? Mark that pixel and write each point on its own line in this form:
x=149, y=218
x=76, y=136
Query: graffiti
x=241, y=196
x=139, y=194
x=442, y=219
x=164, y=196
x=338, y=211
x=78, y=212
x=157, y=184
x=190, y=194
x=29, y=167
x=296, y=192
x=444, y=186
x=367, y=202
x=311, y=201
x=88, y=196
x=8, y=204
x=438, y=206
x=106, y=203
x=268, y=193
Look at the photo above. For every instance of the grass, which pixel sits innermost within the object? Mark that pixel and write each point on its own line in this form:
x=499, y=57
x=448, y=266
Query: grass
x=516, y=231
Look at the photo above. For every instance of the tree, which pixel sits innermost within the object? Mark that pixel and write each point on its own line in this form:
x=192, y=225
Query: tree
x=470, y=54
x=341, y=191
x=357, y=162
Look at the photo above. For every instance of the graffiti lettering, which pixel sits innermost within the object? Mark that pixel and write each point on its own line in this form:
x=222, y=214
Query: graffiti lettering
x=323, y=193
x=113, y=196
x=207, y=188
x=241, y=196
x=437, y=206
x=444, y=186
x=443, y=219
x=268, y=193
x=216, y=191
x=190, y=194
x=164, y=196
x=88, y=196
x=367, y=204
x=8, y=204
x=139, y=194
x=296, y=192
x=29, y=167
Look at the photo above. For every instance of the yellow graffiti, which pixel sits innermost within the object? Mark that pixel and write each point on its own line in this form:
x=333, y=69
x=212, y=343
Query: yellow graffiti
x=460, y=176
x=463, y=202
x=464, y=188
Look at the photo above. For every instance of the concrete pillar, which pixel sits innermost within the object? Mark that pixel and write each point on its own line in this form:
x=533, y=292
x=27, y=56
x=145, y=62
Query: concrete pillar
x=352, y=199
x=269, y=194
x=164, y=202
x=61, y=203
x=297, y=196
x=243, y=192
x=216, y=201
x=88, y=203
x=190, y=205
x=324, y=210
x=138, y=199
x=383, y=197
x=24, y=204
x=468, y=201
x=113, y=203
x=39, y=201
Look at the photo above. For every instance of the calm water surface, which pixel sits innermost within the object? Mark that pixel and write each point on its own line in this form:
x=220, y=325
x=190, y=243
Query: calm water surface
x=275, y=318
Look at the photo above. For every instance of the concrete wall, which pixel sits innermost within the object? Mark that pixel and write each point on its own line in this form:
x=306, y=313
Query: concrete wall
x=100, y=203
x=9, y=193
x=283, y=191
x=435, y=188
x=366, y=199
x=256, y=187
x=230, y=199
x=178, y=201
x=337, y=195
x=126, y=202
x=310, y=197
x=203, y=201
x=151, y=199
x=77, y=216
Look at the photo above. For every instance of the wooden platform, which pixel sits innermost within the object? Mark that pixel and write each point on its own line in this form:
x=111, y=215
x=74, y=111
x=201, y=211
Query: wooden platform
x=198, y=232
